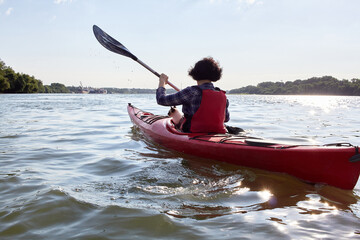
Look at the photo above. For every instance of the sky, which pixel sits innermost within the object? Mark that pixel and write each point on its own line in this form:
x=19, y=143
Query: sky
x=253, y=40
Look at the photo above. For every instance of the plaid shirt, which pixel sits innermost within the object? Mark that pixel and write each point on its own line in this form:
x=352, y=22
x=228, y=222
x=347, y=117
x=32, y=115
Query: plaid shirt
x=189, y=97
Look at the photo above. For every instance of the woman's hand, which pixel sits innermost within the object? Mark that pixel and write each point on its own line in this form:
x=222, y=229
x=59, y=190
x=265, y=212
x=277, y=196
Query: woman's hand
x=163, y=80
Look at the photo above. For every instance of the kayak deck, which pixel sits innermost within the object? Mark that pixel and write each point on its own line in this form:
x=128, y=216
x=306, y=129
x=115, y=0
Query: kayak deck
x=334, y=164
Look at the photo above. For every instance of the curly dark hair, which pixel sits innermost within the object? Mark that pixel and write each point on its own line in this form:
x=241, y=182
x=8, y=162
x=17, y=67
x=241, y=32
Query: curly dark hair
x=206, y=69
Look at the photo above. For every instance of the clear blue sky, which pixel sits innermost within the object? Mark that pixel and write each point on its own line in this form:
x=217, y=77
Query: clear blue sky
x=254, y=40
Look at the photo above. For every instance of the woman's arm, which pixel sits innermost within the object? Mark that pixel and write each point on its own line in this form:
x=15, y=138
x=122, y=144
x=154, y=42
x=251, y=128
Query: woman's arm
x=184, y=96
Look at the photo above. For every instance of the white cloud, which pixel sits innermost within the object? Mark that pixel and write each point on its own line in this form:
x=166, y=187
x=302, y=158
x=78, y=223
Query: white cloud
x=1, y=2
x=248, y=2
x=60, y=1
x=9, y=11
x=53, y=18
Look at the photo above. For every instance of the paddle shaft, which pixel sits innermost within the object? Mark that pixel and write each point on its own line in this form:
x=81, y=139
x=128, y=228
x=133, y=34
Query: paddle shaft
x=154, y=72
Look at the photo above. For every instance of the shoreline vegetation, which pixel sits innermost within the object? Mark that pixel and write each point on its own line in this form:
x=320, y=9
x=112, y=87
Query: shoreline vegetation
x=326, y=85
x=14, y=82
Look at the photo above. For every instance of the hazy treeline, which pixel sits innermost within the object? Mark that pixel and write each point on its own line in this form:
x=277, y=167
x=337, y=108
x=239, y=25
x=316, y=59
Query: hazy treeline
x=14, y=82
x=135, y=90
x=326, y=85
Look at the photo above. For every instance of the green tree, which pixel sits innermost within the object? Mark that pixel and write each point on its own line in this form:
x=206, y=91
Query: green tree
x=31, y=84
x=47, y=89
x=58, y=88
x=2, y=67
x=19, y=83
x=10, y=75
x=4, y=84
x=12, y=82
x=41, y=88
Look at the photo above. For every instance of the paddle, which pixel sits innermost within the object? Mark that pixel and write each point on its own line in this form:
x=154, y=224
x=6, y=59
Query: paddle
x=113, y=45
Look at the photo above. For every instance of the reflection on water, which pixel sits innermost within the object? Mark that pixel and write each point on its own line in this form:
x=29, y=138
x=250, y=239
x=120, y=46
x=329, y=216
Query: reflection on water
x=72, y=166
x=299, y=119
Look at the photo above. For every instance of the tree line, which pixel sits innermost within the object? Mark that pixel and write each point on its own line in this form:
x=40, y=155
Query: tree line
x=14, y=82
x=135, y=91
x=326, y=85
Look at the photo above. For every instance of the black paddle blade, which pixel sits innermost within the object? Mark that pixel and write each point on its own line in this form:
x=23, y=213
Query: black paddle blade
x=111, y=44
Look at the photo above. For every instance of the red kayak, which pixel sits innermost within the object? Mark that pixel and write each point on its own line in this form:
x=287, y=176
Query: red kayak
x=333, y=164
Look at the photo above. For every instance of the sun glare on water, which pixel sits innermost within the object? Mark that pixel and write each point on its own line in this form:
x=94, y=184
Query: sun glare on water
x=318, y=104
x=265, y=194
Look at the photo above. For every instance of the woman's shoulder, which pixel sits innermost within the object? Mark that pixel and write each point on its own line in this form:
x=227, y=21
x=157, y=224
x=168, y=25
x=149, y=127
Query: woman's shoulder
x=195, y=89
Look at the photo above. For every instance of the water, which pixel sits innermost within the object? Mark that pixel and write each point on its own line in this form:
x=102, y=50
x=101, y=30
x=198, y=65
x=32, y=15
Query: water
x=72, y=167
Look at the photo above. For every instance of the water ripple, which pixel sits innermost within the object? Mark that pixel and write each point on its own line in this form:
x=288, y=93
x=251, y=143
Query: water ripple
x=73, y=167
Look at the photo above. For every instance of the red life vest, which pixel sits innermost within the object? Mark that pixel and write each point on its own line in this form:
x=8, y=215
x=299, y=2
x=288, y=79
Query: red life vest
x=210, y=116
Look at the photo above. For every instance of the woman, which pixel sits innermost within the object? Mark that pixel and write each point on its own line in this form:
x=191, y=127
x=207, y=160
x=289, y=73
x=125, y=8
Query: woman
x=205, y=107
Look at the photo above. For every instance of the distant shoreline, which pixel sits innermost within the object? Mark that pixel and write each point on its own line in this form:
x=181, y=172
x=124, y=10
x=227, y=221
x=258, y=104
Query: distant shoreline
x=325, y=86
x=14, y=82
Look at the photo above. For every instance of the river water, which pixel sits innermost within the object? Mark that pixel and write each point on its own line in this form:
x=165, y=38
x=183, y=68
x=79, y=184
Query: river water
x=72, y=167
